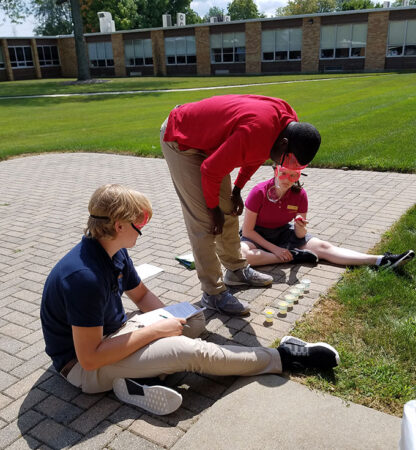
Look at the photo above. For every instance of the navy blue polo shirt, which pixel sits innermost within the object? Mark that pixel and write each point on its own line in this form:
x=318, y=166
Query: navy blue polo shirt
x=84, y=289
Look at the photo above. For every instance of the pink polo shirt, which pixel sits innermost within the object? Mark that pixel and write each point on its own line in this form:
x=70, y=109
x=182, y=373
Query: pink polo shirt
x=275, y=215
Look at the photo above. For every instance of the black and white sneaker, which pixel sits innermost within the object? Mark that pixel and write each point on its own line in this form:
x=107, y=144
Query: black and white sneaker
x=297, y=354
x=158, y=400
x=390, y=261
x=303, y=257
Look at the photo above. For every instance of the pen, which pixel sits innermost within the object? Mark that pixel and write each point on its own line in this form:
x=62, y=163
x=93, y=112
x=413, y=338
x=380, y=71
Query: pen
x=164, y=317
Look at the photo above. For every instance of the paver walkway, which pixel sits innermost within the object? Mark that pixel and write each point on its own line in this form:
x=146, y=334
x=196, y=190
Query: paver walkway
x=43, y=208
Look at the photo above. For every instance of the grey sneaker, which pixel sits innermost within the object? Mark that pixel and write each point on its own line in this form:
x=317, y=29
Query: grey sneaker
x=225, y=303
x=247, y=275
x=159, y=400
x=297, y=354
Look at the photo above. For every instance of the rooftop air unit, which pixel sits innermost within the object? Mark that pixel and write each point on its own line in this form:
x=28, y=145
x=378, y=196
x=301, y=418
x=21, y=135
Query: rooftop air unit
x=106, y=22
x=386, y=4
x=227, y=18
x=213, y=19
x=167, y=20
x=180, y=20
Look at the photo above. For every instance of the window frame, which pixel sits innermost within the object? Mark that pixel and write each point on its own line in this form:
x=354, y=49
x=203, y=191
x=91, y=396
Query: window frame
x=136, y=43
x=15, y=64
x=404, y=44
x=350, y=47
x=175, y=56
x=49, y=62
x=236, y=49
x=289, y=46
x=108, y=62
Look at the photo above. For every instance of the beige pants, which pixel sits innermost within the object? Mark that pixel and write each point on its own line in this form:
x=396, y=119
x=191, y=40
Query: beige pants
x=177, y=354
x=208, y=250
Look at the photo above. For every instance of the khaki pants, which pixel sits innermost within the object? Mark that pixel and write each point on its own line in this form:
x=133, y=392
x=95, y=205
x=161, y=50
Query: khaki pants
x=208, y=250
x=177, y=354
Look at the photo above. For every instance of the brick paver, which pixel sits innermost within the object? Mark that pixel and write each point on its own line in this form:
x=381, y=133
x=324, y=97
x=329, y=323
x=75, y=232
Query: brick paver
x=43, y=209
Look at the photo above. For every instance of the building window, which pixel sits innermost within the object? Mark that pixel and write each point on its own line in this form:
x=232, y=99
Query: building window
x=138, y=52
x=21, y=56
x=228, y=48
x=48, y=55
x=343, y=41
x=1, y=59
x=402, y=38
x=180, y=50
x=282, y=44
x=100, y=54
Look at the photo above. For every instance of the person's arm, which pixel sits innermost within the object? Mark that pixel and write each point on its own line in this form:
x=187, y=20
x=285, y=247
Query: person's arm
x=144, y=299
x=300, y=225
x=94, y=352
x=249, y=223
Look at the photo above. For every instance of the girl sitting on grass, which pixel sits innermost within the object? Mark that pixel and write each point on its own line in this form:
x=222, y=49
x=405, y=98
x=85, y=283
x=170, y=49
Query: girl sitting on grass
x=269, y=237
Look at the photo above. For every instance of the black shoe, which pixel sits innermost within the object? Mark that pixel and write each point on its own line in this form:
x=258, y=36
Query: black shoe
x=390, y=261
x=303, y=257
x=297, y=354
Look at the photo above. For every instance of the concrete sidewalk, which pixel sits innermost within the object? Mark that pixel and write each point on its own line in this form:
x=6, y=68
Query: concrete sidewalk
x=43, y=209
x=270, y=412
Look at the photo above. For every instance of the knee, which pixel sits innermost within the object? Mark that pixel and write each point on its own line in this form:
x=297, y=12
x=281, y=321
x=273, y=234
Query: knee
x=324, y=246
x=196, y=326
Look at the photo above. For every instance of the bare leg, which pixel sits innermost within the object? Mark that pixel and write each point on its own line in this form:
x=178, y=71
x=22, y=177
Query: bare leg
x=256, y=256
x=338, y=255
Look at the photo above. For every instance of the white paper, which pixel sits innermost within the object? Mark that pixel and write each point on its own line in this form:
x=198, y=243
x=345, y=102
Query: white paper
x=147, y=270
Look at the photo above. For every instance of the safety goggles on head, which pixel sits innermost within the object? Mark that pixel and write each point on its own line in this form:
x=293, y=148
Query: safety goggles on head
x=139, y=225
x=283, y=173
x=290, y=161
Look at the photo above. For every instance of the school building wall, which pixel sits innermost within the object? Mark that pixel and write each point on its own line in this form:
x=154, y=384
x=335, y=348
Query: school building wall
x=203, y=62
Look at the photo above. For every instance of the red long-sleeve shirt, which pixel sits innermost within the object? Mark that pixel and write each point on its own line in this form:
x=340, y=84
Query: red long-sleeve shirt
x=233, y=130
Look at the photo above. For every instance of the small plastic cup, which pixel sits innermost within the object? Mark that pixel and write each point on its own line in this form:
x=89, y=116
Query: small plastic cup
x=269, y=314
x=301, y=288
x=290, y=300
x=306, y=283
x=295, y=292
x=282, y=307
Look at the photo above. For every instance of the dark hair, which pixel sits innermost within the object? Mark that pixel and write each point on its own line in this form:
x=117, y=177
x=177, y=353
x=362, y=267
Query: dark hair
x=304, y=141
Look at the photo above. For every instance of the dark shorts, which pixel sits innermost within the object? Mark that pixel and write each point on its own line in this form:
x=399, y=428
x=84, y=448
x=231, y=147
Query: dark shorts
x=284, y=237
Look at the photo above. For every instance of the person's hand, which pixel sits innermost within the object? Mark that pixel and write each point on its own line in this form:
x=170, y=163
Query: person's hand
x=237, y=202
x=238, y=205
x=217, y=220
x=169, y=327
x=282, y=254
x=300, y=226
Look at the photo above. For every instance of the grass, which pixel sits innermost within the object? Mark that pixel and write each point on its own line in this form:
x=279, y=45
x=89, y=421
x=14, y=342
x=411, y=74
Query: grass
x=365, y=122
x=63, y=86
x=370, y=317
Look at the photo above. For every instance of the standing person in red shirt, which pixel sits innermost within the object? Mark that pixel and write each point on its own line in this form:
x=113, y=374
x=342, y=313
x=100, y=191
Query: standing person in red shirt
x=203, y=142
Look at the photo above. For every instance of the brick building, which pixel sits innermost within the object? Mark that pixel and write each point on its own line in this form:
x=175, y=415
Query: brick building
x=366, y=40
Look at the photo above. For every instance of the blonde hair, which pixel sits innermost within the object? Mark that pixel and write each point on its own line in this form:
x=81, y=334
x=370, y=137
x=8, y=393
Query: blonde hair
x=111, y=203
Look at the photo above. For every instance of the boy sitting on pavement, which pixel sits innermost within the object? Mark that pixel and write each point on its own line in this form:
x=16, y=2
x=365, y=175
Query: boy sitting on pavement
x=96, y=347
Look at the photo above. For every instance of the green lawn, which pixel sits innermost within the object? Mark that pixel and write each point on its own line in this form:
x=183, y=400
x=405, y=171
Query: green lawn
x=367, y=122
x=62, y=86
x=370, y=317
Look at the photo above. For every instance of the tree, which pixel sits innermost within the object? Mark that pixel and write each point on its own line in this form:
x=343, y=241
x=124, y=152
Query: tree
x=297, y=7
x=350, y=5
x=123, y=12
x=53, y=19
x=243, y=9
x=214, y=11
x=15, y=10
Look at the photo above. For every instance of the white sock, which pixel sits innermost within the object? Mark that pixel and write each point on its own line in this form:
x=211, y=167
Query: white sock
x=378, y=262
